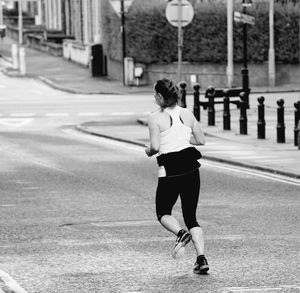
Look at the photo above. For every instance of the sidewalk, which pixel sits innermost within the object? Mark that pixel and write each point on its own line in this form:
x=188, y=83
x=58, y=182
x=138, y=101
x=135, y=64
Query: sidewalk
x=68, y=76
x=65, y=75
x=221, y=146
x=225, y=146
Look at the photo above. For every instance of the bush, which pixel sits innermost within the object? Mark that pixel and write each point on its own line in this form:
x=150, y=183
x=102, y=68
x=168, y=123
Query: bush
x=151, y=39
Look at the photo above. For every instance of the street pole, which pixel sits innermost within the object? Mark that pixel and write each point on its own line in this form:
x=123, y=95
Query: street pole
x=271, y=48
x=22, y=65
x=20, y=23
x=230, y=42
x=245, y=76
x=123, y=38
x=180, y=40
x=1, y=13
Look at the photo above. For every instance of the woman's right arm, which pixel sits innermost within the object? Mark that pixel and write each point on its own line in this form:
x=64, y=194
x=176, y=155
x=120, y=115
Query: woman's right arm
x=198, y=135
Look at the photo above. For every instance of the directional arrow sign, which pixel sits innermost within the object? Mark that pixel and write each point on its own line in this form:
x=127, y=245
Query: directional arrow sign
x=244, y=18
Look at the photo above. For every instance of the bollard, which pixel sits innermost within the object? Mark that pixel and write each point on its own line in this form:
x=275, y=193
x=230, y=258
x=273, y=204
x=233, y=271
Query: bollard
x=297, y=119
x=299, y=134
x=197, y=101
x=280, y=122
x=226, y=111
x=243, y=113
x=182, y=86
x=261, y=124
x=210, y=93
x=22, y=61
x=14, y=55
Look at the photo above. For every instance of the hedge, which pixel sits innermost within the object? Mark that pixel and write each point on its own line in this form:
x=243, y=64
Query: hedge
x=151, y=39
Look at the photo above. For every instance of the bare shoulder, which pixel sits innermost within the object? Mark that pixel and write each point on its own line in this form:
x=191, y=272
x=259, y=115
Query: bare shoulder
x=185, y=111
x=154, y=116
x=187, y=115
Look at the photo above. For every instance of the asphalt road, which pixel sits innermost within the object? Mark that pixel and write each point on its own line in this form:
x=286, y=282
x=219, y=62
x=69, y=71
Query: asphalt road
x=77, y=212
x=77, y=215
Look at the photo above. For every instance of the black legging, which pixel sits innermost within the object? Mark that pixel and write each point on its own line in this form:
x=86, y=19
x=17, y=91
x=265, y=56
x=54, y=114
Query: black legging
x=168, y=190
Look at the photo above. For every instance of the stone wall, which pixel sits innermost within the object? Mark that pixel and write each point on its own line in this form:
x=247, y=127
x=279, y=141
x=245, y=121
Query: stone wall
x=212, y=74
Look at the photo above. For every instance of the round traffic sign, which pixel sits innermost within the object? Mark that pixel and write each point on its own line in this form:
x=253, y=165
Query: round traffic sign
x=177, y=7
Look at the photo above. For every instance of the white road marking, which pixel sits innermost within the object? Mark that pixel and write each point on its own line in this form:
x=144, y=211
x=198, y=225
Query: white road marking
x=272, y=159
x=12, y=285
x=22, y=114
x=257, y=173
x=127, y=223
x=57, y=114
x=257, y=157
x=15, y=122
x=90, y=114
x=81, y=114
x=122, y=113
x=261, y=289
x=229, y=152
x=31, y=188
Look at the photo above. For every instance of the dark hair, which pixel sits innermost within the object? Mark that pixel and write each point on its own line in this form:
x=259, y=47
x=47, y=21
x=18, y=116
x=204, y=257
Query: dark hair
x=169, y=91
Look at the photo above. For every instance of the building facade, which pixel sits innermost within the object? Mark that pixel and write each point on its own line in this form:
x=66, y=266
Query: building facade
x=81, y=18
x=77, y=18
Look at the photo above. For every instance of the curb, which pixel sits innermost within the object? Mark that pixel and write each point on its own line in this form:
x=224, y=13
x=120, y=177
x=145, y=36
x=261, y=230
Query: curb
x=209, y=158
x=49, y=82
x=84, y=130
x=73, y=91
x=77, y=91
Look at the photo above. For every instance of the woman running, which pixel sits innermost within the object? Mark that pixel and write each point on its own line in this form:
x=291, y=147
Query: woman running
x=173, y=133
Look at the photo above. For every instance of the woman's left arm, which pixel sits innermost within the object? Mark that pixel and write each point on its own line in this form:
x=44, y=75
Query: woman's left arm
x=154, y=134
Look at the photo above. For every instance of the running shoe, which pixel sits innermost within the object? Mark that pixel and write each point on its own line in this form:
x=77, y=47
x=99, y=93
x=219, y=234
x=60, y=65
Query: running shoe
x=183, y=238
x=201, y=265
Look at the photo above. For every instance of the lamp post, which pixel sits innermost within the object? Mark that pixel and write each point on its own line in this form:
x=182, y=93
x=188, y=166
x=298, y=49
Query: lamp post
x=20, y=23
x=123, y=37
x=1, y=13
x=229, y=43
x=180, y=40
x=271, y=65
x=245, y=75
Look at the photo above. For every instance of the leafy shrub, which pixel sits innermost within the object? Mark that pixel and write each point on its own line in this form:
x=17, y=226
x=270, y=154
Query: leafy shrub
x=151, y=39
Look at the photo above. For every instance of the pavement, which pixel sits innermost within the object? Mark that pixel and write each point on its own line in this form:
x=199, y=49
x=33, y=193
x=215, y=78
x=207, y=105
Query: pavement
x=227, y=146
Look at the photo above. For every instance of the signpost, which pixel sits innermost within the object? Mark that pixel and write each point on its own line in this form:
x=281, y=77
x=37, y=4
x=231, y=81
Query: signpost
x=271, y=65
x=117, y=5
x=229, y=69
x=179, y=13
x=121, y=7
x=1, y=13
x=20, y=23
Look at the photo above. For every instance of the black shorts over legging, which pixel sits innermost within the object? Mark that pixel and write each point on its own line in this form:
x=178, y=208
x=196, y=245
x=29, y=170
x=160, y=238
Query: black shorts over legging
x=168, y=190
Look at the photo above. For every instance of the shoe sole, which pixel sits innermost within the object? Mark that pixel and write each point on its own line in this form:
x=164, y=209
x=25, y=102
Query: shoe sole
x=179, y=249
x=203, y=271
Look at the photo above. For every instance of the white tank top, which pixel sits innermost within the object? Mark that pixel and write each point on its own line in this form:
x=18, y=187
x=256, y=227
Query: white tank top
x=177, y=137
